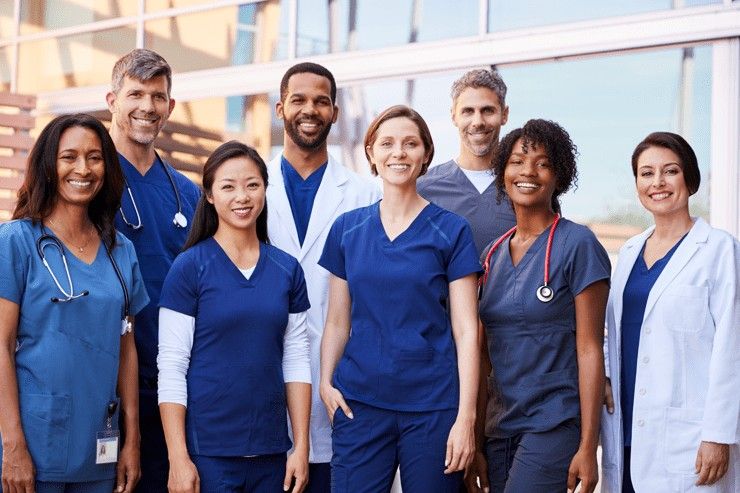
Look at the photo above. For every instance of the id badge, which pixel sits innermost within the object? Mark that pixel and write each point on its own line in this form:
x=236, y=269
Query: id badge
x=106, y=446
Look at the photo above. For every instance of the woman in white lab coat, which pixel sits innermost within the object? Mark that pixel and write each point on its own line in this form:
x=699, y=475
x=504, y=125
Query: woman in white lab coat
x=673, y=342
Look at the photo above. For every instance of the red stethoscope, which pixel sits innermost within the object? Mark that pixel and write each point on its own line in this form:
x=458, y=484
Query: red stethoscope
x=544, y=293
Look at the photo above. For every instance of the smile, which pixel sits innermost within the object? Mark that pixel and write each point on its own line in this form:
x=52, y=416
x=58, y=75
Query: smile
x=144, y=121
x=80, y=183
x=242, y=211
x=399, y=166
x=660, y=196
x=526, y=185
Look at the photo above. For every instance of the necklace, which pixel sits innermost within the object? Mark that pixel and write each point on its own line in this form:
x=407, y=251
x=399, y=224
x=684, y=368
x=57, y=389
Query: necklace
x=80, y=248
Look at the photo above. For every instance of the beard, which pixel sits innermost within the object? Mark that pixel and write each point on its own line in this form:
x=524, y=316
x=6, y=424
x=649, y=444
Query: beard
x=306, y=143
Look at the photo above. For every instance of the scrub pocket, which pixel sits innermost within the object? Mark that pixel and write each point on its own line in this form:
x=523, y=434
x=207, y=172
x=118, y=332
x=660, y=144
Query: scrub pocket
x=45, y=421
x=682, y=435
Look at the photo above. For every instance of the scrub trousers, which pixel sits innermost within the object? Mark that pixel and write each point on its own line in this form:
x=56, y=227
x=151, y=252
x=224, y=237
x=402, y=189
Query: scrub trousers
x=155, y=466
x=369, y=448
x=105, y=486
x=319, y=478
x=533, y=462
x=261, y=474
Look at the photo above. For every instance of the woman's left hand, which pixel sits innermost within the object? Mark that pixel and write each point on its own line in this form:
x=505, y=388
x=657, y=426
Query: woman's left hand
x=460, y=446
x=296, y=467
x=712, y=462
x=583, y=467
x=128, y=470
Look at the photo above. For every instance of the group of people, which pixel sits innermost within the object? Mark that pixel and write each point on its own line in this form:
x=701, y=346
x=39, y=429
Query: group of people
x=452, y=329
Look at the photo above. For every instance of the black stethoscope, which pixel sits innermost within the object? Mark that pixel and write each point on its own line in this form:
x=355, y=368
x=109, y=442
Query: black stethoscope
x=46, y=240
x=180, y=221
x=544, y=293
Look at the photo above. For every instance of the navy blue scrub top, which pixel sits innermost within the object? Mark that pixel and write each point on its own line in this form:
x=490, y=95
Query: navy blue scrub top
x=68, y=353
x=236, y=390
x=157, y=242
x=447, y=186
x=532, y=345
x=401, y=354
x=634, y=299
x=301, y=194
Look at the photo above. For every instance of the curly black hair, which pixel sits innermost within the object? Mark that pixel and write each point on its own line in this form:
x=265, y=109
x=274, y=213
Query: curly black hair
x=561, y=151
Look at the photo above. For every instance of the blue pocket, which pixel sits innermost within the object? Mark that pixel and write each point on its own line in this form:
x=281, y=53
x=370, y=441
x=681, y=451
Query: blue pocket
x=45, y=421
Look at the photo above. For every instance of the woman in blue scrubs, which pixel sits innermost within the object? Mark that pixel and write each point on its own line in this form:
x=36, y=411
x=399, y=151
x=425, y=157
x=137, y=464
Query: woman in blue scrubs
x=673, y=334
x=543, y=298
x=233, y=343
x=400, y=385
x=67, y=282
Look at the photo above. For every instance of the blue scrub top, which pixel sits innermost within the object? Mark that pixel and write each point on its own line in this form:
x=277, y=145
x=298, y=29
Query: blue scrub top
x=634, y=300
x=68, y=353
x=400, y=354
x=301, y=194
x=532, y=345
x=447, y=186
x=236, y=390
x=157, y=242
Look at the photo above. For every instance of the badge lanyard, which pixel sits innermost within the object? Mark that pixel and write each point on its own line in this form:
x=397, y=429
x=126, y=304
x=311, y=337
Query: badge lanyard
x=106, y=443
x=544, y=293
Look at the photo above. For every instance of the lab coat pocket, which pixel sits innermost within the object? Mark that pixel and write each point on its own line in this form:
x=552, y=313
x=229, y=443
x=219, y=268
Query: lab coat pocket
x=45, y=421
x=685, y=308
x=682, y=436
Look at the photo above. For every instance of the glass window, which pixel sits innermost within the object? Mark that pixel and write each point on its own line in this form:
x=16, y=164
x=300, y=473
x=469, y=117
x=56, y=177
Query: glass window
x=154, y=5
x=44, y=15
x=5, y=59
x=72, y=61
x=235, y=42
x=381, y=23
x=507, y=14
x=7, y=24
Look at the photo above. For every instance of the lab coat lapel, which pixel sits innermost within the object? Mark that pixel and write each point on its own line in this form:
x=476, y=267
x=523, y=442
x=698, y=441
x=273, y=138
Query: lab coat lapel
x=279, y=213
x=627, y=258
x=328, y=198
x=698, y=234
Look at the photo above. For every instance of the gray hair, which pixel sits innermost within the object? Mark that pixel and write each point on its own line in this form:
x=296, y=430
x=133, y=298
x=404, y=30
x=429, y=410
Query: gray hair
x=142, y=65
x=490, y=79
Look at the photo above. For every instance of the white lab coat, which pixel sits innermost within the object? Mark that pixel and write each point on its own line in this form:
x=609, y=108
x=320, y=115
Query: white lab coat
x=687, y=387
x=341, y=190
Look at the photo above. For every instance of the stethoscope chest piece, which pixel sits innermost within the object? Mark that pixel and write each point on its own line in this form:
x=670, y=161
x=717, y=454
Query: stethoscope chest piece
x=180, y=220
x=545, y=293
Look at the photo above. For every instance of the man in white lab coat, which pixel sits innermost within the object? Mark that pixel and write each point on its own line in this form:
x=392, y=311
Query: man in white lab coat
x=307, y=190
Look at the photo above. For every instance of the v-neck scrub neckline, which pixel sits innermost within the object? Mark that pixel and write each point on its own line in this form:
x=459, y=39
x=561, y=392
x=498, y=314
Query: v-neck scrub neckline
x=238, y=274
x=415, y=224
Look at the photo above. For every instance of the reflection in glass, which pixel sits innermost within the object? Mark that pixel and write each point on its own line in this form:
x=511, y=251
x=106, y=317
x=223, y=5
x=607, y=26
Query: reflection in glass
x=505, y=14
x=44, y=15
x=72, y=61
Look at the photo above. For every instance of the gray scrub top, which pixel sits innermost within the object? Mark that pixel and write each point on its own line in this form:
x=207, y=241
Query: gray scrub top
x=532, y=345
x=448, y=187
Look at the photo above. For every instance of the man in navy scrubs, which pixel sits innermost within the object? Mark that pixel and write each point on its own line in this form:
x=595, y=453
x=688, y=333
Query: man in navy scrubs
x=156, y=209
x=464, y=185
x=307, y=190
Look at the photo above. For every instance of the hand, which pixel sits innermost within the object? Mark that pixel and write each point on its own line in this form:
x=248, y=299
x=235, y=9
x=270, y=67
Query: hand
x=18, y=474
x=583, y=467
x=128, y=470
x=333, y=398
x=460, y=446
x=477, y=472
x=608, y=396
x=712, y=461
x=183, y=476
x=296, y=468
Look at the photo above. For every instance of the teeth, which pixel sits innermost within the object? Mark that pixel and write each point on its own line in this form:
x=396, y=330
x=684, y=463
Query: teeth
x=660, y=196
x=527, y=185
x=78, y=183
x=242, y=211
x=399, y=166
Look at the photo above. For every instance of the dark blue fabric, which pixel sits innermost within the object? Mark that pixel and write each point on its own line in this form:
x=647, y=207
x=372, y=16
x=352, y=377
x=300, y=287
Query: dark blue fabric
x=400, y=354
x=634, y=299
x=532, y=345
x=301, y=194
x=236, y=391
x=319, y=478
x=157, y=242
x=264, y=474
x=370, y=447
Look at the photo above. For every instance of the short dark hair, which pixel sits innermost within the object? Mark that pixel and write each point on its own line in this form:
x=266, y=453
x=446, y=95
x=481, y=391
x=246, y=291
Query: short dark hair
x=686, y=156
x=40, y=189
x=205, y=220
x=400, y=111
x=560, y=149
x=142, y=65
x=308, y=68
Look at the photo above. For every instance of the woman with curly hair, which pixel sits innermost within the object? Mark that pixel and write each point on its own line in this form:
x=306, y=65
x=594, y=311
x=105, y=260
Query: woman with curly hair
x=543, y=298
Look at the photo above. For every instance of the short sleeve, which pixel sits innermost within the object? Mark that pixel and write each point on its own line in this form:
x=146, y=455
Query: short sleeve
x=587, y=262
x=298, y=293
x=139, y=296
x=463, y=258
x=180, y=289
x=13, y=264
x=332, y=258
